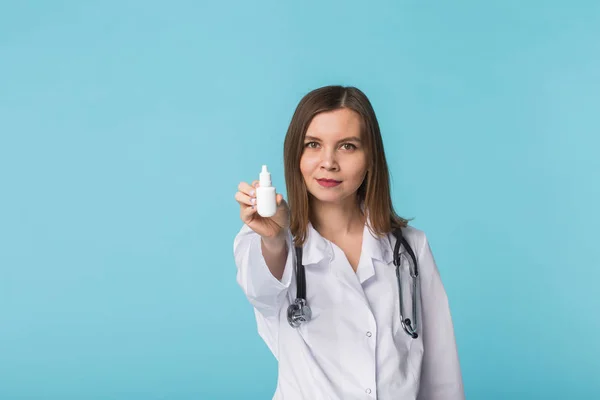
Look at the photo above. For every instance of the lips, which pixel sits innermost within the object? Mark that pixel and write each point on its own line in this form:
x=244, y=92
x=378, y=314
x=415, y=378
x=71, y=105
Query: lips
x=328, y=182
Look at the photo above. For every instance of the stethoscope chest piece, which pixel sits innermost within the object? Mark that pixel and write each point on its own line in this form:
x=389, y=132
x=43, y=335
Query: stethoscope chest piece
x=298, y=313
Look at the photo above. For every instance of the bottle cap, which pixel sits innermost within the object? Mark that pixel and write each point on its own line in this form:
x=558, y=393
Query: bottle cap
x=265, y=177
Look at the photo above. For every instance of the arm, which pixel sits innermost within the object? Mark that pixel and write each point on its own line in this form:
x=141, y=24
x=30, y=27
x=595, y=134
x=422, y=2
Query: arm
x=264, y=270
x=275, y=252
x=441, y=377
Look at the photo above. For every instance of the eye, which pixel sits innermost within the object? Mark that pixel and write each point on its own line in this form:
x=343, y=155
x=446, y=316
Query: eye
x=351, y=146
x=311, y=145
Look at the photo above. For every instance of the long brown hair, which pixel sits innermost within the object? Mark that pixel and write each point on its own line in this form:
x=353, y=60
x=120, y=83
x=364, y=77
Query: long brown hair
x=374, y=192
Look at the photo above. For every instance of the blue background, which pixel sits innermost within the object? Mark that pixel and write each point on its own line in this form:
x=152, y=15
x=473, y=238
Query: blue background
x=126, y=127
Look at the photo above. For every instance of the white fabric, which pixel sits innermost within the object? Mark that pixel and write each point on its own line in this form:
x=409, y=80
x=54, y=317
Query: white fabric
x=354, y=347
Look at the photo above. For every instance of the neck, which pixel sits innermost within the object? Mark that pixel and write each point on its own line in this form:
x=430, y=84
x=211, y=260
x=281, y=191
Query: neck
x=335, y=221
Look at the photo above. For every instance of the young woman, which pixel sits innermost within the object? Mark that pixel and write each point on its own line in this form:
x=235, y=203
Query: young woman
x=358, y=330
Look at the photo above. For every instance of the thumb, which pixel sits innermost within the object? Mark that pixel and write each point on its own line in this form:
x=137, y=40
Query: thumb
x=279, y=199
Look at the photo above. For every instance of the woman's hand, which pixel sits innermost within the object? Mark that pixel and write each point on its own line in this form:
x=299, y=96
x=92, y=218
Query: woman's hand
x=271, y=229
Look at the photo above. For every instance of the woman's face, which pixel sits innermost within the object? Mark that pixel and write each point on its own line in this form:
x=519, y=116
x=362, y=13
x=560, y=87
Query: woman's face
x=334, y=161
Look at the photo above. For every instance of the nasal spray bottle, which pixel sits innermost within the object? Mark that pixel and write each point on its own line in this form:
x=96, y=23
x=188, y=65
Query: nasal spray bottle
x=266, y=201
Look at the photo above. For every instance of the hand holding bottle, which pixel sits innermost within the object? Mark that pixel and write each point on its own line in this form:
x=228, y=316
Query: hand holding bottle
x=261, y=198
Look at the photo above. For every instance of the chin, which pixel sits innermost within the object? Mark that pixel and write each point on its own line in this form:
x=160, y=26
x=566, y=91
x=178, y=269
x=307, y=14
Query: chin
x=328, y=197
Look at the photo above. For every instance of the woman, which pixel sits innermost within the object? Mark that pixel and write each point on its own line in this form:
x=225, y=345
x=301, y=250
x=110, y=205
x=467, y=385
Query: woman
x=340, y=214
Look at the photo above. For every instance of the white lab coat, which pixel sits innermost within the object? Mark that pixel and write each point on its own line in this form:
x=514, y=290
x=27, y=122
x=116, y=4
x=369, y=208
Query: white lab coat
x=354, y=347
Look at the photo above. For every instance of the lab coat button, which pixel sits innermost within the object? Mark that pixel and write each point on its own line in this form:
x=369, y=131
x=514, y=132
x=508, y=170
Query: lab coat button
x=369, y=334
x=368, y=391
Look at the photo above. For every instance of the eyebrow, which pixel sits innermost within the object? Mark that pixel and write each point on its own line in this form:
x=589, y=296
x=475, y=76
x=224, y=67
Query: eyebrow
x=348, y=139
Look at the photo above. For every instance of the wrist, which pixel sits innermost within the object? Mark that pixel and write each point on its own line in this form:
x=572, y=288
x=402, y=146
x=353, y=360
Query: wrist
x=275, y=243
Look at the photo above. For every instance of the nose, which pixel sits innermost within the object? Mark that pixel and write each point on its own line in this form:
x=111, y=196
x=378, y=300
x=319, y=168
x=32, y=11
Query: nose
x=328, y=160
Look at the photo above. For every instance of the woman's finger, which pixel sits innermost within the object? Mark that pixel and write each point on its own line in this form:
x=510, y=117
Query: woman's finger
x=244, y=199
x=247, y=189
x=246, y=213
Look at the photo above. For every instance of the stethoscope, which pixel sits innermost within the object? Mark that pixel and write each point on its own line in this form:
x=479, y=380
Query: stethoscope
x=299, y=312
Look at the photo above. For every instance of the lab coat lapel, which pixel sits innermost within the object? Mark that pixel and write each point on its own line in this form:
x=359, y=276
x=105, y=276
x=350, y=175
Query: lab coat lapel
x=315, y=249
x=372, y=250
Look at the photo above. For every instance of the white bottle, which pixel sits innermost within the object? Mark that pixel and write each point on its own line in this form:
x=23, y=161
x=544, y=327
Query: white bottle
x=266, y=201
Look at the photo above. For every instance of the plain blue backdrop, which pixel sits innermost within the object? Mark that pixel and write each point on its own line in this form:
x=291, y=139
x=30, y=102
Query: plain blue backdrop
x=126, y=127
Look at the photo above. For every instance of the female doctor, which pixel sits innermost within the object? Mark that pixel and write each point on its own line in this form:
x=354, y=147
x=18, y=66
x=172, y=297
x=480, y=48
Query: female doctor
x=354, y=344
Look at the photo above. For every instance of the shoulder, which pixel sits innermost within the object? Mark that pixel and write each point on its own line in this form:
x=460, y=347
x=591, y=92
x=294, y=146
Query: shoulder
x=419, y=242
x=416, y=238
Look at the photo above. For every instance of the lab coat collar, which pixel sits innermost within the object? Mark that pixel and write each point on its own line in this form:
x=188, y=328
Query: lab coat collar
x=377, y=248
x=316, y=247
